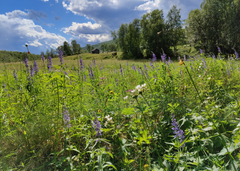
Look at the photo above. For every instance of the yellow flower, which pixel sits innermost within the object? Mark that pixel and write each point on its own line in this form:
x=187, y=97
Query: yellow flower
x=111, y=92
x=146, y=166
x=181, y=62
x=99, y=110
x=24, y=132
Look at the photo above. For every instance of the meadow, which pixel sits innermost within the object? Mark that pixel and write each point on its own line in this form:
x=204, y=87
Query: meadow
x=103, y=114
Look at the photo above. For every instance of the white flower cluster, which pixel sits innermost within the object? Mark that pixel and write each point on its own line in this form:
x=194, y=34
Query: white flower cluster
x=109, y=119
x=139, y=88
x=125, y=98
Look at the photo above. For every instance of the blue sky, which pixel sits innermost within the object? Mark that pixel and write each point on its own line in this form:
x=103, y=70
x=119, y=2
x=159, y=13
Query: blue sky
x=45, y=24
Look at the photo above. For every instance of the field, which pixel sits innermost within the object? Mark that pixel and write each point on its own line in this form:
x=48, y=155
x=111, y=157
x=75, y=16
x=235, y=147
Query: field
x=101, y=113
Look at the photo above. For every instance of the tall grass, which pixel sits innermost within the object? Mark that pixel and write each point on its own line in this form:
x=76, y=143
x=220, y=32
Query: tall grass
x=120, y=115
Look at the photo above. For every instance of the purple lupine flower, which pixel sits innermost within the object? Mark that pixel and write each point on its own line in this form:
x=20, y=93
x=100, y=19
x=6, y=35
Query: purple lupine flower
x=189, y=57
x=91, y=75
x=49, y=63
x=169, y=59
x=116, y=82
x=31, y=71
x=121, y=70
x=236, y=54
x=60, y=56
x=115, y=71
x=145, y=67
x=141, y=72
x=133, y=67
x=154, y=58
x=85, y=77
x=163, y=56
x=191, y=67
x=228, y=72
x=81, y=64
x=127, y=64
x=15, y=75
x=219, y=50
x=42, y=56
x=101, y=68
x=151, y=65
x=94, y=62
x=65, y=72
x=147, y=74
x=184, y=58
x=205, y=63
x=194, y=57
x=97, y=127
x=26, y=62
x=35, y=67
x=66, y=118
x=214, y=57
x=201, y=51
x=177, y=131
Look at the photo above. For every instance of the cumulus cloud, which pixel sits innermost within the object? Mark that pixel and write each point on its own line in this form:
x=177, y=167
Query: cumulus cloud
x=45, y=0
x=84, y=28
x=30, y=15
x=112, y=13
x=109, y=13
x=17, y=31
x=95, y=37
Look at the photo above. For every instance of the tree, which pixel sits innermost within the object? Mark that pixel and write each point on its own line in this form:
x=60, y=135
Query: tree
x=75, y=47
x=121, y=40
x=47, y=53
x=112, y=47
x=174, y=27
x=89, y=48
x=103, y=47
x=154, y=36
x=66, y=48
x=209, y=28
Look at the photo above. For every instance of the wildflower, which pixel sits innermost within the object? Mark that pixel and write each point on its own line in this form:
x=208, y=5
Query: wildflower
x=151, y=65
x=181, y=62
x=49, y=63
x=60, y=56
x=133, y=67
x=66, y=118
x=191, y=67
x=146, y=166
x=147, y=74
x=35, y=67
x=116, y=82
x=111, y=92
x=108, y=119
x=145, y=67
x=42, y=57
x=31, y=71
x=214, y=57
x=26, y=62
x=169, y=59
x=99, y=110
x=177, y=131
x=97, y=127
x=91, y=73
x=81, y=64
x=184, y=57
x=85, y=77
x=121, y=70
x=15, y=75
x=29, y=53
x=65, y=72
x=163, y=56
x=125, y=98
x=228, y=72
x=154, y=58
x=201, y=51
x=236, y=54
x=219, y=50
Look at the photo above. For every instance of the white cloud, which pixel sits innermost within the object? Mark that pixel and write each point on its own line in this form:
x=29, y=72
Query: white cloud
x=45, y=0
x=96, y=37
x=84, y=28
x=56, y=1
x=21, y=30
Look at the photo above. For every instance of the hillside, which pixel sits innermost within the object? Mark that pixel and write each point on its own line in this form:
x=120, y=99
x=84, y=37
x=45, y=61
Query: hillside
x=98, y=46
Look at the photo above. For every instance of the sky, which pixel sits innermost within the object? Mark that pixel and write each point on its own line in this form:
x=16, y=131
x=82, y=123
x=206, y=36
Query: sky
x=46, y=24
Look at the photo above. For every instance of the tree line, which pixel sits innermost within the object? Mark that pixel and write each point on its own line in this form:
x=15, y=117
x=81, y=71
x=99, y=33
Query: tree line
x=215, y=24
x=150, y=34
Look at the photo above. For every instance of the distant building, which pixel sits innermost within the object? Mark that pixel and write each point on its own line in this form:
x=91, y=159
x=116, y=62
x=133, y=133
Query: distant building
x=95, y=51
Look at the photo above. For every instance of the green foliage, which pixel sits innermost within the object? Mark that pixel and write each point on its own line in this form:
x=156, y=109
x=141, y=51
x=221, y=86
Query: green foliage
x=134, y=109
x=208, y=28
x=66, y=49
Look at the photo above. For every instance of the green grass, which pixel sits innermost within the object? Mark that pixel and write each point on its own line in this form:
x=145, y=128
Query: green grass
x=134, y=108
